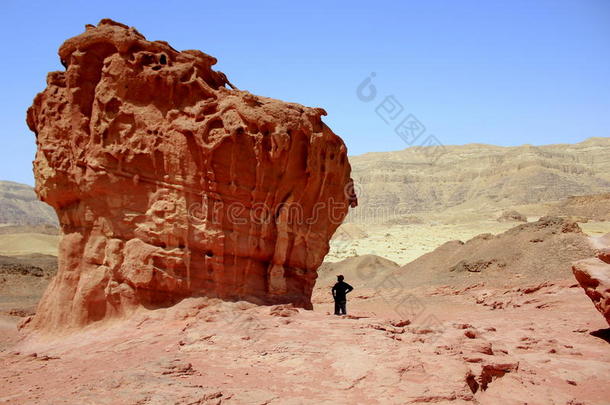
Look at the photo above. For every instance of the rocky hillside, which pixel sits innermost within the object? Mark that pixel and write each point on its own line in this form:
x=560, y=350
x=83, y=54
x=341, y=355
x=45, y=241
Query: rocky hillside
x=534, y=252
x=20, y=206
x=588, y=207
x=477, y=176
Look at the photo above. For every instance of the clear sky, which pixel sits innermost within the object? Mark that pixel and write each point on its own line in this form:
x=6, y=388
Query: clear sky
x=498, y=72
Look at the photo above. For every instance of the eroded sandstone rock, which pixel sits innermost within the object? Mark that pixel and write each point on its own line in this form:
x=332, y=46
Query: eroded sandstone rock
x=593, y=275
x=167, y=184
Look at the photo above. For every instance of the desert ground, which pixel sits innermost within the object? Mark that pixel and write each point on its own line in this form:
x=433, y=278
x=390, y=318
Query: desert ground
x=405, y=243
x=477, y=341
x=546, y=347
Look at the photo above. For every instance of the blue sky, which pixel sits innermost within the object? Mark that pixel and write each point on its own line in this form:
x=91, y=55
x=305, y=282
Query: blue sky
x=504, y=73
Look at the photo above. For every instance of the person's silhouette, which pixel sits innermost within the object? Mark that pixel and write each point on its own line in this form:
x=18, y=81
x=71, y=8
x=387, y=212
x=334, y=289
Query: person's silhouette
x=340, y=290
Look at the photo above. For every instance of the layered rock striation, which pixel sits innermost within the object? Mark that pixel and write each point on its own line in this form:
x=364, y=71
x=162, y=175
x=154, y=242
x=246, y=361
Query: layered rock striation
x=168, y=184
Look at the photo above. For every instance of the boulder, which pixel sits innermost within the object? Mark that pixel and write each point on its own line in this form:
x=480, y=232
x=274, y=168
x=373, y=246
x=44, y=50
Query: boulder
x=512, y=216
x=593, y=275
x=168, y=182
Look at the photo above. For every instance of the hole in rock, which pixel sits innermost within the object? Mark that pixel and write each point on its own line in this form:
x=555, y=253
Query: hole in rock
x=147, y=59
x=113, y=106
x=472, y=383
x=163, y=60
x=209, y=109
x=216, y=124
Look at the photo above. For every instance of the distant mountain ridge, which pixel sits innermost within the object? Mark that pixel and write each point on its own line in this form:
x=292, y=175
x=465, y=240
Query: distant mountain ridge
x=476, y=175
x=19, y=205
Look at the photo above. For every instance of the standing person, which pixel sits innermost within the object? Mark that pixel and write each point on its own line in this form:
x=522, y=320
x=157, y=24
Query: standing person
x=340, y=290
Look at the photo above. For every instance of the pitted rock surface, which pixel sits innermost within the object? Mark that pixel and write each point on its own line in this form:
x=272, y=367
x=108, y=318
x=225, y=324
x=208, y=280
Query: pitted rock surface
x=168, y=184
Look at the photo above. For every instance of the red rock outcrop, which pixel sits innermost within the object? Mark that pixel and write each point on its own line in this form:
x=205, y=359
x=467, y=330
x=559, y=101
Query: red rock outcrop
x=593, y=275
x=168, y=184
x=604, y=255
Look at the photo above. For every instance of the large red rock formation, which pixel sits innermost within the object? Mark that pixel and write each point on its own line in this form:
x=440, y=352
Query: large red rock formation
x=167, y=184
x=593, y=275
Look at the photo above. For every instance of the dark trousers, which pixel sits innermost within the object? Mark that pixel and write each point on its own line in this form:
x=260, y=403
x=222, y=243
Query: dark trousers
x=340, y=307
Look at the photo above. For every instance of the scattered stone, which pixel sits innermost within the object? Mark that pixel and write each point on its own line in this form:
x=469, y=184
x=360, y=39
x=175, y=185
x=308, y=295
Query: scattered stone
x=512, y=216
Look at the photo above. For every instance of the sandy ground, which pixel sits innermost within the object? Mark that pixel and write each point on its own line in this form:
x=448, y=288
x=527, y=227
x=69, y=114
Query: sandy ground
x=474, y=344
x=27, y=243
x=404, y=243
x=595, y=228
x=478, y=345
